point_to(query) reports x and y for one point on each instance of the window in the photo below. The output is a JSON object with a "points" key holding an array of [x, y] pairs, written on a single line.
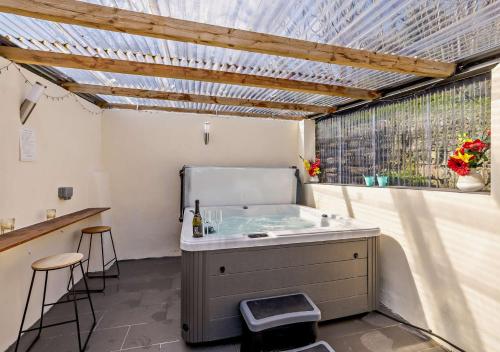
{"points": [[408, 139]]}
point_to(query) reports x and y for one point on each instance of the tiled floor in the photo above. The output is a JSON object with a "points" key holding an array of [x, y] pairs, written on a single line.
{"points": [[141, 312]]}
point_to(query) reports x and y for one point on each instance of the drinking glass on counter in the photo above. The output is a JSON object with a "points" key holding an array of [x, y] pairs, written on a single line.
{"points": [[51, 214], [7, 225]]}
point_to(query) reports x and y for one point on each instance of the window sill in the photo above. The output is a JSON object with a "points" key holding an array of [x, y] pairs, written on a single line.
{"points": [[447, 190]]}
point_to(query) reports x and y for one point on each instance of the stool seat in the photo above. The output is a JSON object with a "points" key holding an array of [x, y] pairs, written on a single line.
{"points": [[57, 261], [96, 229]]}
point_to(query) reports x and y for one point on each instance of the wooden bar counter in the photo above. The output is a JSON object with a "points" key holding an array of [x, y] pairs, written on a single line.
{"points": [[26, 234]]}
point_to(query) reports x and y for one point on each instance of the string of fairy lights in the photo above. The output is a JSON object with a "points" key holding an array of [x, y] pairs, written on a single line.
{"points": [[70, 95], [54, 98]]}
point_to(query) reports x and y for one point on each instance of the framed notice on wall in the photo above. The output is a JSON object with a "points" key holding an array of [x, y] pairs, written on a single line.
{"points": [[27, 144]]}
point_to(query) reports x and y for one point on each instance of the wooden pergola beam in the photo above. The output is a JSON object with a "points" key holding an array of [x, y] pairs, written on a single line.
{"points": [[114, 19], [45, 58], [201, 111], [194, 98]]}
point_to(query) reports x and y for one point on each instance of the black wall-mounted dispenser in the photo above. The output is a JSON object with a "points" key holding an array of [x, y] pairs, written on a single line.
{"points": [[65, 192]]}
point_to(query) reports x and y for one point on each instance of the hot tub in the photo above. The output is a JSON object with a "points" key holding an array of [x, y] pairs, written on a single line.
{"points": [[268, 250], [267, 225]]}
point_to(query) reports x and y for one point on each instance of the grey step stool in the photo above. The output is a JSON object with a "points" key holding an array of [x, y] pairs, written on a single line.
{"points": [[320, 346], [279, 323]]}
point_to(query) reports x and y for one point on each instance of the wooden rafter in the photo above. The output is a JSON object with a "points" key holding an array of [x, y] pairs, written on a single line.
{"points": [[195, 98], [45, 58], [114, 19], [201, 111]]}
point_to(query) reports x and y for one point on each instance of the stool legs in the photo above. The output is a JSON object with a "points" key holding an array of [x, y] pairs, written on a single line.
{"points": [[78, 251], [76, 309], [90, 250], [88, 294], [43, 304], [24, 314], [74, 293], [103, 276], [75, 299], [114, 252]]}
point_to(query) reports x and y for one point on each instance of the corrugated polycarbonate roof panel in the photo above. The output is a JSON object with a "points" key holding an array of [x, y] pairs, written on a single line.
{"points": [[445, 30], [197, 106]]}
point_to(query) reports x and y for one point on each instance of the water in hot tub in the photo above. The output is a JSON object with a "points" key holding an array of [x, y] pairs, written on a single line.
{"points": [[236, 224], [240, 224]]}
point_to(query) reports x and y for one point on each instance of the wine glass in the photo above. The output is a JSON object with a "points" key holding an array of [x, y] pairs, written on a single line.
{"points": [[218, 219], [208, 219]]}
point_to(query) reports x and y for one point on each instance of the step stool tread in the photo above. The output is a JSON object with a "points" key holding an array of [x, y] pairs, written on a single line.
{"points": [[264, 313], [320, 346]]}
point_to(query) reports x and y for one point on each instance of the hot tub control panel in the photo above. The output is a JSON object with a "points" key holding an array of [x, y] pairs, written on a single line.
{"points": [[257, 235]]}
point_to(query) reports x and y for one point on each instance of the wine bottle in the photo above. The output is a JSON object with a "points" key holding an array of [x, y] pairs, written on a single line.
{"points": [[197, 221]]}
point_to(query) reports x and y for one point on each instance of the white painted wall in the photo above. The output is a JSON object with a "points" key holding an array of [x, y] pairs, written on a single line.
{"points": [[439, 256], [143, 153], [69, 154]]}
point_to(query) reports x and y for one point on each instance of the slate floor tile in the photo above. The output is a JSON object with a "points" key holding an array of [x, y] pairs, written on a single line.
{"points": [[101, 340], [116, 300], [180, 346], [153, 333], [389, 339], [349, 326], [138, 315], [153, 348], [40, 346]]}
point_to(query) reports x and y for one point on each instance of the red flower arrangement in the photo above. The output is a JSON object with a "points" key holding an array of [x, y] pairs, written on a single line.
{"points": [[312, 166], [470, 154]]}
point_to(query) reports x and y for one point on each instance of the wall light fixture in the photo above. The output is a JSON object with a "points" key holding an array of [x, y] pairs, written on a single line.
{"points": [[30, 101], [206, 134]]}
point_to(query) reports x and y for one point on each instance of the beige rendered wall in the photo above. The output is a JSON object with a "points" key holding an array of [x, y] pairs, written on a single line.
{"points": [[307, 147], [143, 153], [69, 154], [440, 262]]}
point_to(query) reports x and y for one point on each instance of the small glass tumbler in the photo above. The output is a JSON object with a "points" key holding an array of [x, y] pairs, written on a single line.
{"points": [[51, 214], [7, 225]]}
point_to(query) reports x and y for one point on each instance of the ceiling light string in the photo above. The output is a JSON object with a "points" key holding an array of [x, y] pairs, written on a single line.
{"points": [[6, 67], [79, 102], [48, 96]]}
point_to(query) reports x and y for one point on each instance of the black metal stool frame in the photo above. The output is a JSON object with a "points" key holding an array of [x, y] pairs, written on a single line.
{"points": [[74, 300], [104, 265]]}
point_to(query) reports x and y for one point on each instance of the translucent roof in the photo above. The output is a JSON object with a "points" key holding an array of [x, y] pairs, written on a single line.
{"points": [[444, 30]]}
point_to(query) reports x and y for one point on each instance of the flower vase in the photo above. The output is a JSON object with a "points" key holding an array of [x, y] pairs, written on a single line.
{"points": [[313, 179], [472, 182]]}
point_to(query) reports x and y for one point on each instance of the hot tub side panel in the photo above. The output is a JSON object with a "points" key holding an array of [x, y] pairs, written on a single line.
{"points": [[339, 276], [193, 284]]}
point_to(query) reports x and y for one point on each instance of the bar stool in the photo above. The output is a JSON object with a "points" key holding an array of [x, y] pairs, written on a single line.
{"points": [[56, 262], [100, 230]]}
